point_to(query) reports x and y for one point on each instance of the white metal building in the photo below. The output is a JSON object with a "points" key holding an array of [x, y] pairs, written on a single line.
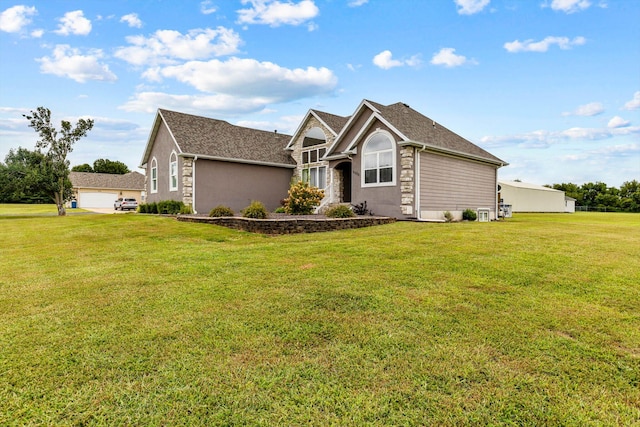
{"points": [[524, 197]]}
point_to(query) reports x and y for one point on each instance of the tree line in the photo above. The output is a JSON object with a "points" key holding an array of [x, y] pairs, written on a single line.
{"points": [[598, 196], [42, 175]]}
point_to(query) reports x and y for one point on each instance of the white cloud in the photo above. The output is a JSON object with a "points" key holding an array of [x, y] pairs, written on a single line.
{"points": [[250, 78], [469, 7], [544, 139], [149, 102], [15, 18], [618, 122], [69, 62], [36, 34], [543, 45], [276, 13], [74, 23], [570, 6], [447, 57], [622, 150], [206, 8], [357, 3], [385, 60], [634, 104], [167, 46], [588, 110], [132, 20]]}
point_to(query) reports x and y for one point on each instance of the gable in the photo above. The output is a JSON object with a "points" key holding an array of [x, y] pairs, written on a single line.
{"points": [[411, 127], [219, 140]]}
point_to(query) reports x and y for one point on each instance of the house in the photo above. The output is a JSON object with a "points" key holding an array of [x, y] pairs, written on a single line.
{"points": [[525, 197], [402, 163], [206, 162], [100, 190]]}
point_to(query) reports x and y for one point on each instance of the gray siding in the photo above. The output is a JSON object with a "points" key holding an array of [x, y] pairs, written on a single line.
{"points": [[449, 183], [161, 151], [236, 185]]}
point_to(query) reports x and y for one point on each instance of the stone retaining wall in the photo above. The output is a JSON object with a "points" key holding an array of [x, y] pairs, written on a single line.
{"points": [[289, 225]]}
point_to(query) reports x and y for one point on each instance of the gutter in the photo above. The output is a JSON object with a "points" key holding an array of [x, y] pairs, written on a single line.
{"points": [[193, 189]]}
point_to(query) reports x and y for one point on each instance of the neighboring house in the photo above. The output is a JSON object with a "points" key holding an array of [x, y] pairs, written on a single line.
{"points": [[524, 197], [100, 190], [205, 162], [569, 204], [402, 163]]}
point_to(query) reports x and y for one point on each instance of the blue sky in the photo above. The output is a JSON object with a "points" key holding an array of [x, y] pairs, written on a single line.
{"points": [[550, 86]]}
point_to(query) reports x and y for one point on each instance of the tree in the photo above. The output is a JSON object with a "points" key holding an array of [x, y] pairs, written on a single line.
{"points": [[110, 166], [23, 177], [85, 167], [56, 150]]}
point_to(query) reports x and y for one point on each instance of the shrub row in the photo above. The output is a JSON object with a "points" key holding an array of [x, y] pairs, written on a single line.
{"points": [[168, 207]]}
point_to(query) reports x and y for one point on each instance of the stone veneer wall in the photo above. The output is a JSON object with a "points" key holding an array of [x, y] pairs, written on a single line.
{"points": [[407, 185], [289, 225], [297, 155], [187, 181]]}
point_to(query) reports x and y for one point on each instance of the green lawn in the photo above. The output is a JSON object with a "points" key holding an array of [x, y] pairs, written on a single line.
{"points": [[143, 320], [31, 210]]}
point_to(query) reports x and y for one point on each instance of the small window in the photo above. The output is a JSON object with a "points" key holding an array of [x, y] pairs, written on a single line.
{"points": [[154, 176], [378, 156], [173, 172]]}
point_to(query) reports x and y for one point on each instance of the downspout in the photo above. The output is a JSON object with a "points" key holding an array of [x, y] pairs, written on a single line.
{"points": [[424, 147], [193, 189]]}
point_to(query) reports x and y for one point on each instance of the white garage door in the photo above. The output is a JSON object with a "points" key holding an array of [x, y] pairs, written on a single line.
{"points": [[97, 200]]}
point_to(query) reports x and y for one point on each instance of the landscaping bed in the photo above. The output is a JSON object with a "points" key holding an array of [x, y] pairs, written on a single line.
{"points": [[289, 224]]}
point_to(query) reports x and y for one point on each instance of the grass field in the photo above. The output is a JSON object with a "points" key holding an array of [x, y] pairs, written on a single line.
{"points": [[143, 320]]}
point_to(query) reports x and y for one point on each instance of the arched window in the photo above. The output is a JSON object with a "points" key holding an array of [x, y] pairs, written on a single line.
{"points": [[378, 160], [173, 172], [154, 175]]}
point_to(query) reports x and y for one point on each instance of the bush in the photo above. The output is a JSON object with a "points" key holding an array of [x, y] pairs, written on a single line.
{"points": [[340, 211], [186, 210], [361, 209], [469, 215], [255, 210], [142, 208], [303, 199], [169, 207], [152, 208], [448, 217], [279, 209], [221, 211]]}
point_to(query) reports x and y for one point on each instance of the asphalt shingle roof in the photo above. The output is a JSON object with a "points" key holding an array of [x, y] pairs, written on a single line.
{"points": [[336, 123], [420, 128], [216, 138], [128, 181]]}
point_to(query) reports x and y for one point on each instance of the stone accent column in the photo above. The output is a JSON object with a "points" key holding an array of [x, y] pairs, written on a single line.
{"points": [[187, 181], [407, 183]]}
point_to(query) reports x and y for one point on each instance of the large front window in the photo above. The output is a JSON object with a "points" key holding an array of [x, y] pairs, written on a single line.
{"points": [[378, 160], [316, 176]]}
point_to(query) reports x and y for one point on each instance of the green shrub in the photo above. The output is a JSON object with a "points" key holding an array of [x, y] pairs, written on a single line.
{"points": [[340, 211], [152, 208], [469, 215], [279, 209], [170, 207], [142, 208], [221, 210], [255, 210], [186, 210], [303, 199]]}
